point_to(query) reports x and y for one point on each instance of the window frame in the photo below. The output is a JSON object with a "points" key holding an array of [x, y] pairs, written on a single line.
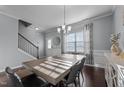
{"points": [[75, 44]]}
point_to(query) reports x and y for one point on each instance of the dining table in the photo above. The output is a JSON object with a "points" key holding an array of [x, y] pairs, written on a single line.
{"points": [[53, 68]]}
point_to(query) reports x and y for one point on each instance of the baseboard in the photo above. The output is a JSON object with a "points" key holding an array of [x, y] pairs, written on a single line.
{"points": [[2, 70], [26, 54], [94, 65], [17, 67]]}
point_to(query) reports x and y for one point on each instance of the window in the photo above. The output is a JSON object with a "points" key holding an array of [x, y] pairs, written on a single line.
{"points": [[49, 44], [70, 42], [74, 42], [79, 42]]}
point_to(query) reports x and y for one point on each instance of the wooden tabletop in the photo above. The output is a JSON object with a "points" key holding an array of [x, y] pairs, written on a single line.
{"points": [[53, 69]]}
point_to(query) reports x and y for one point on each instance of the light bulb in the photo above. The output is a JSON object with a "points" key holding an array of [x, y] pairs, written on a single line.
{"points": [[58, 30], [69, 28], [63, 27], [37, 28]]}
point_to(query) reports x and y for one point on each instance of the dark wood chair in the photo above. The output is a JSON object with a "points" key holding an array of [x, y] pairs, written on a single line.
{"points": [[71, 77], [29, 81], [81, 65], [75, 73]]}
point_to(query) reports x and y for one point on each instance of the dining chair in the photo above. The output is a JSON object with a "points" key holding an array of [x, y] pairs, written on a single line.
{"points": [[71, 77], [15, 79], [75, 73], [29, 81], [80, 68]]}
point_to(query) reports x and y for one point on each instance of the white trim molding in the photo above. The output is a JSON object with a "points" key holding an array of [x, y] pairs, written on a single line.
{"points": [[9, 15], [2, 70], [99, 58], [26, 53]]}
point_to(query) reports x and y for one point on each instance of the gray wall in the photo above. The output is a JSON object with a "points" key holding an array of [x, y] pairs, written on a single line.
{"points": [[8, 41], [102, 29], [9, 54], [101, 38], [34, 36], [50, 34], [118, 26]]}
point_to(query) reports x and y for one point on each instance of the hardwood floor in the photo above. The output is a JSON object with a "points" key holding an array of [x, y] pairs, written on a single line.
{"points": [[93, 77]]}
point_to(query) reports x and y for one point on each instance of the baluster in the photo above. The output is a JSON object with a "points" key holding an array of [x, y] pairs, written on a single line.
{"points": [[27, 46]]}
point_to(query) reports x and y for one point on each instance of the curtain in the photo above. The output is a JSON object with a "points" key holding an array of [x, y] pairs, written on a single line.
{"points": [[88, 42]]}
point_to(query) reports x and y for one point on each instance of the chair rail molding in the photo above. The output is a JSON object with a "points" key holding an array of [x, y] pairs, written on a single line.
{"points": [[99, 58]]}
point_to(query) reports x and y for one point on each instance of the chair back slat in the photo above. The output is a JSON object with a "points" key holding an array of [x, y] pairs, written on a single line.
{"points": [[74, 70], [72, 74]]}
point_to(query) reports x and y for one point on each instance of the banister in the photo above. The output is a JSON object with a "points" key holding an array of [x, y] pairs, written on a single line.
{"points": [[27, 40], [28, 50]]}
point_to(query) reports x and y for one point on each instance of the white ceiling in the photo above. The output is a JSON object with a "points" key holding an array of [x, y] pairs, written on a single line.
{"points": [[49, 16]]}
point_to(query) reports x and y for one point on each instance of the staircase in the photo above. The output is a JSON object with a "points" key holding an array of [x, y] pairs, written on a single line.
{"points": [[27, 46]]}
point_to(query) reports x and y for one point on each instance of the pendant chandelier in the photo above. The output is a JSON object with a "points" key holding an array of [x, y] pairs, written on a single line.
{"points": [[64, 28]]}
